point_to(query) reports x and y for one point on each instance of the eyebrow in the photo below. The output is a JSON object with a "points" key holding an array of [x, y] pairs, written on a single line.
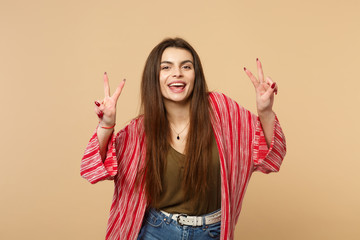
{"points": [[183, 62]]}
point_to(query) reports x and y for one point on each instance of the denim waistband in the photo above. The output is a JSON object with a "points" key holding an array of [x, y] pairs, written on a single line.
{"points": [[184, 219]]}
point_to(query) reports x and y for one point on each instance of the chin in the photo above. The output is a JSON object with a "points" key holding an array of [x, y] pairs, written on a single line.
{"points": [[178, 99]]}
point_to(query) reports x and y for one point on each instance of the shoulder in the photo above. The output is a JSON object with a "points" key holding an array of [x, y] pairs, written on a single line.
{"points": [[226, 109], [214, 96], [220, 98], [221, 102]]}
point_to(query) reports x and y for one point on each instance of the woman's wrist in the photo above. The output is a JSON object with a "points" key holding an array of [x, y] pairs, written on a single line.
{"points": [[107, 127]]}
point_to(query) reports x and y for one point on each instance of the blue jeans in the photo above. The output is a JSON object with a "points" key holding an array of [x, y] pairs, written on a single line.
{"points": [[158, 226]]}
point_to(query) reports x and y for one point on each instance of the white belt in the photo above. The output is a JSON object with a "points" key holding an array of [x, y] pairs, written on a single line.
{"points": [[196, 221]]}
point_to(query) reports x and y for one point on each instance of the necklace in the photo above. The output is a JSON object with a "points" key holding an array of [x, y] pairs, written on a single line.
{"points": [[178, 134]]}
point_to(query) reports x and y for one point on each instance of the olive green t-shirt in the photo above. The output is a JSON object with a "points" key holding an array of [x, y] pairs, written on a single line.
{"points": [[172, 197]]}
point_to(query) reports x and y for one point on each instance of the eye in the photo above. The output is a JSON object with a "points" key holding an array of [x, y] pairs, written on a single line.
{"points": [[187, 66], [164, 67]]}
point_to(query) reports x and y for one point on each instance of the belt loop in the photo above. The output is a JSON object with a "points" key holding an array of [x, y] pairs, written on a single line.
{"points": [[197, 219], [203, 223], [170, 218]]}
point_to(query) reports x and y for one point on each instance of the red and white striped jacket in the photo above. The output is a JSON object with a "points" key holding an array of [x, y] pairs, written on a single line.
{"points": [[242, 149]]}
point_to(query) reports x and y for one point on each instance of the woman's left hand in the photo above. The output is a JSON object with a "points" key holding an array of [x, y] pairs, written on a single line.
{"points": [[264, 88]]}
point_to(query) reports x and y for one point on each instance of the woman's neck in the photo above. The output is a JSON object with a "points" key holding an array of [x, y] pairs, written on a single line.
{"points": [[178, 114]]}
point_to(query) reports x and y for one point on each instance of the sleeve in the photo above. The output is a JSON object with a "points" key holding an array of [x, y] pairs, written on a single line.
{"points": [[266, 159], [92, 167], [243, 129]]}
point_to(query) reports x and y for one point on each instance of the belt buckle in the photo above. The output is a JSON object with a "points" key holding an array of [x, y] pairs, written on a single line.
{"points": [[178, 219]]}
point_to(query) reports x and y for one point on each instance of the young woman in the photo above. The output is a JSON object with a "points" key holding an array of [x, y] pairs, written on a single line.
{"points": [[181, 168]]}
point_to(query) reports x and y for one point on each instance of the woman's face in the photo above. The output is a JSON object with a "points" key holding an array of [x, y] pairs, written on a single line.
{"points": [[177, 75]]}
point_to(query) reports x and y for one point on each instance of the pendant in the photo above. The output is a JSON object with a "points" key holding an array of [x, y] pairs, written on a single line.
{"points": [[178, 138]]}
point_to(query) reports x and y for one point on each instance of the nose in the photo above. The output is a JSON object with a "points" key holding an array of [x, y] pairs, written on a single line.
{"points": [[177, 72]]}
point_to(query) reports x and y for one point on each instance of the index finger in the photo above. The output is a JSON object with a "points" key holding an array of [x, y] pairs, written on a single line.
{"points": [[106, 85]]}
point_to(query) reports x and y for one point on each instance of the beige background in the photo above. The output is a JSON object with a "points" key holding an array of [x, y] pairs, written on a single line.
{"points": [[53, 55]]}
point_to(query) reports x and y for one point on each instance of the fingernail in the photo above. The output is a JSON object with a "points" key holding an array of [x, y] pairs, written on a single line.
{"points": [[124, 80], [273, 85], [244, 68], [101, 114], [257, 59], [105, 73], [97, 103]]}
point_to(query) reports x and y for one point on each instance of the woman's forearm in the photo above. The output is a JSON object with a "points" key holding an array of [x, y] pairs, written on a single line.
{"points": [[267, 120], [103, 137]]}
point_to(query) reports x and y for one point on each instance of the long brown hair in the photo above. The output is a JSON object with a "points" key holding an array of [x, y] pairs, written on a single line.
{"points": [[157, 130]]}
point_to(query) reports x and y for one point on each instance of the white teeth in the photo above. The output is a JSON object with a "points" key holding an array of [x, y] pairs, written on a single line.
{"points": [[177, 85]]}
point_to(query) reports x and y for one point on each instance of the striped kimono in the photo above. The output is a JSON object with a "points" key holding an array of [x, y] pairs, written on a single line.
{"points": [[242, 150]]}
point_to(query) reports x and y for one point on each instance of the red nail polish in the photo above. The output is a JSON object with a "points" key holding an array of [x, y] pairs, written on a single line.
{"points": [[257, 59], [101, 114], [273, 85], [97, 103], [105, 73], [244, 68]]}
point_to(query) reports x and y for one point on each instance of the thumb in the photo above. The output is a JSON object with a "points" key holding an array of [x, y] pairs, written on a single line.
{"points": [[270, 90]]}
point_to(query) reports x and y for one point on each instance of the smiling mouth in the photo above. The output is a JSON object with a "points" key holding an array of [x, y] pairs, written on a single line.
{"points": [[177, 86]]}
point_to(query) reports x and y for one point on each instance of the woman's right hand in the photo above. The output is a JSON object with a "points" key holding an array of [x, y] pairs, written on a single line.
{"points": [[106, 109]]}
